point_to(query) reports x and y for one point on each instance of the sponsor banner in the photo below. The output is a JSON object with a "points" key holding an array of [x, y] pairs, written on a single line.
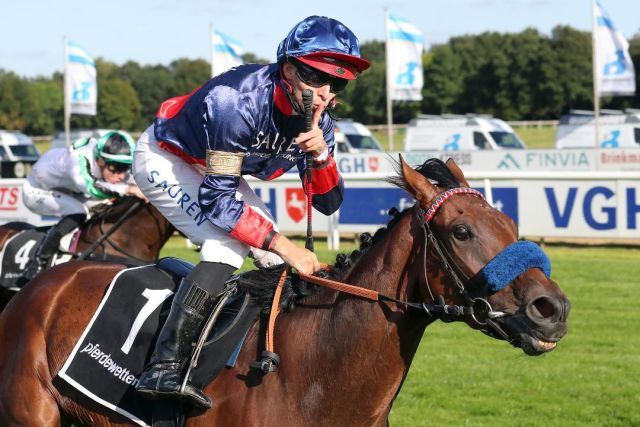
{"points": [[541, 207], [590, 209], [13, 209], [619, 160], [566, 207], [574, 160]]}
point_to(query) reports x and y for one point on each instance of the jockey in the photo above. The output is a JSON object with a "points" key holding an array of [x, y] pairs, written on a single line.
{"points": [[65, 180], [190, 164]]}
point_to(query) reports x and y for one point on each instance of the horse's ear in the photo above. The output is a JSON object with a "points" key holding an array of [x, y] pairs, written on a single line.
{"points": [[419, 186], [457, 172]]}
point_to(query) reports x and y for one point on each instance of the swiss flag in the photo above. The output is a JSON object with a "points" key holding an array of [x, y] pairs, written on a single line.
{"points": [[374, 163], [296, 203]]}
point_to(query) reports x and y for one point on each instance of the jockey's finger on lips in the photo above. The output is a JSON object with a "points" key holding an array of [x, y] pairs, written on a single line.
{"points": [[315, 119]]}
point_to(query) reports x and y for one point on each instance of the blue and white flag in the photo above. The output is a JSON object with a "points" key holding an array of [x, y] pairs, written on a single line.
{"points": [[404, 59], [614, 68], [226, 53], [81, 89]]}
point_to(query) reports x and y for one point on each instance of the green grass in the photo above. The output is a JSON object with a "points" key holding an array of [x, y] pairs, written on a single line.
{"points": [[537, 136], [460, 377], [383, 138]]}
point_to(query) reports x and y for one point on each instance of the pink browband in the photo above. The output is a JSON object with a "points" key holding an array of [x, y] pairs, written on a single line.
{"points": [[443, 197]]}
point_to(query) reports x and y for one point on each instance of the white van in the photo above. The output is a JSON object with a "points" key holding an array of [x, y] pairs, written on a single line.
{"points": [[16, 146], [455, 133], [617, 129], [354, 137]]}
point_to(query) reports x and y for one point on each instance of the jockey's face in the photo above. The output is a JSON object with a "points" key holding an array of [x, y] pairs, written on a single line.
{"points": [[322, 95], [111, 173]]}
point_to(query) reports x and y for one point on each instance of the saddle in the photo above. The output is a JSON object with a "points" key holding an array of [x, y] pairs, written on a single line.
{"points": [[21, 248], [119, 340]]}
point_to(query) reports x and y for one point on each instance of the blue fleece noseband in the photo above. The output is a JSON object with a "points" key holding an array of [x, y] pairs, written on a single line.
{"points": [[514, 260]]}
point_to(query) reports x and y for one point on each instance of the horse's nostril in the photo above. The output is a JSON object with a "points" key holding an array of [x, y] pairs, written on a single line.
{"points": [[542, 308]]}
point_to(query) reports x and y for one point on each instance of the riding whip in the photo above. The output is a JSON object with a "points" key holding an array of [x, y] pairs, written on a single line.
{"points": [[269, 360], [307, 102]]}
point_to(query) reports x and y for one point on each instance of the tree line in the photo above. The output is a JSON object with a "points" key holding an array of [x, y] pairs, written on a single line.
{"points": [[514, 76]]}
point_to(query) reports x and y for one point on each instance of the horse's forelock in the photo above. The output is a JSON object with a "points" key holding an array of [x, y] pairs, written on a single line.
{"points": [[433, 169]]}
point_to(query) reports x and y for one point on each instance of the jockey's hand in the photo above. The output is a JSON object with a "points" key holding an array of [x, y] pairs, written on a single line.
{"points": [[313, 141], [133, 190], [301, 259]]}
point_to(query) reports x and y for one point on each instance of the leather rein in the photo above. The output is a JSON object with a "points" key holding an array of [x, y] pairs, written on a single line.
{"points": [[479, 309]]}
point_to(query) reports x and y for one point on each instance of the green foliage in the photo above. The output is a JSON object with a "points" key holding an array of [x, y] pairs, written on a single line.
{"points": [[118, 105], [515, 76]]}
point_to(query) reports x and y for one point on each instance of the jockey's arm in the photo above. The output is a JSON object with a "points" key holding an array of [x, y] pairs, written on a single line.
{"points": [[133, 190], [90, 185], [327, 185]]}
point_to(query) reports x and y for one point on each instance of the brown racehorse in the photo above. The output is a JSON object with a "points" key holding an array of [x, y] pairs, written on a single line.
{"points": [[343, 358], [137, 239]]}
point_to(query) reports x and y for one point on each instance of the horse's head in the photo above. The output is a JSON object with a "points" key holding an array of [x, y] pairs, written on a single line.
{"points": [[476, 269]]}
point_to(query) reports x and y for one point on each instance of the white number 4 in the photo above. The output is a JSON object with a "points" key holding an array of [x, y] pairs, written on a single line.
{"points": [[22, 255]]}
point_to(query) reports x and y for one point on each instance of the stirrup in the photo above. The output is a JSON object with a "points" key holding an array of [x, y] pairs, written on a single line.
{"points": [[223, 297], [268, 362]]}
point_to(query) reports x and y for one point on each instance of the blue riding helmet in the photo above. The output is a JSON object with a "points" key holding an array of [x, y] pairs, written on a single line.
{"points": [[115, 147], [325, 44]]}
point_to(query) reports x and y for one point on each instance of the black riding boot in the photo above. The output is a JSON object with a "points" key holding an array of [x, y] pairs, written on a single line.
{"points": [[191, 306], [50, 244]]}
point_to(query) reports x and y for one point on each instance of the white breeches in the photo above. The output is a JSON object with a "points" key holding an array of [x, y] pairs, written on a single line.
{"points": [[51, 202], [171, 185]]}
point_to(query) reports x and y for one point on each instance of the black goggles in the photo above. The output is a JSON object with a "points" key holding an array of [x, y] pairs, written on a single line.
{"points": [[118, 167], [315, 78]]}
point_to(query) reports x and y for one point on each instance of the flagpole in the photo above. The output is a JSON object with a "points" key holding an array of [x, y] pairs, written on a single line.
{"points": [[596, 88], [67, 101], [389, 101], [211, 45]]}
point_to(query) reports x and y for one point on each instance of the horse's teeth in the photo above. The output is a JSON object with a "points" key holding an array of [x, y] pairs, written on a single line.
{"points": [[546, 345]]}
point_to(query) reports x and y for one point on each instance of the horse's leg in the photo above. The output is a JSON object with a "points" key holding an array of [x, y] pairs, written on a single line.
{"points": [[26, 394]]}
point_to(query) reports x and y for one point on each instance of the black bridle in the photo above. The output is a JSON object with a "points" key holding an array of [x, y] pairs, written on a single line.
{"points": [[478, 308], [104, 239]]}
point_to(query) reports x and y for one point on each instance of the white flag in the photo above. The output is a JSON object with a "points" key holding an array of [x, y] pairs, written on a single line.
{"points": [[227, 53], [404, 59], [80, 77], [614, 68]]}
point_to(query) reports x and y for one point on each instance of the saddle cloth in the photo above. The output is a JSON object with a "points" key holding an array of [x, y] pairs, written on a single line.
{"points": [[19, 249], [119, 340]]}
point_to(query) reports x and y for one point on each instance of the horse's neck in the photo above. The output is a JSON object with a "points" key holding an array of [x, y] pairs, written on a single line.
{"points": [[143, 233], [369, 345]]}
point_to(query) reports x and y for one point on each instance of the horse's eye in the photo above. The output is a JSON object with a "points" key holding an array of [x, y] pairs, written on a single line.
{"points": [[461, 232]]}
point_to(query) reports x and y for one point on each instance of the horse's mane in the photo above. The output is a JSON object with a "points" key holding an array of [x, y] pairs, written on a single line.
{"points": [[261, 283]]}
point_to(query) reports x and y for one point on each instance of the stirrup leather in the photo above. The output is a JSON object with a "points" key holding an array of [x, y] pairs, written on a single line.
{"points": [[222, 300]]}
